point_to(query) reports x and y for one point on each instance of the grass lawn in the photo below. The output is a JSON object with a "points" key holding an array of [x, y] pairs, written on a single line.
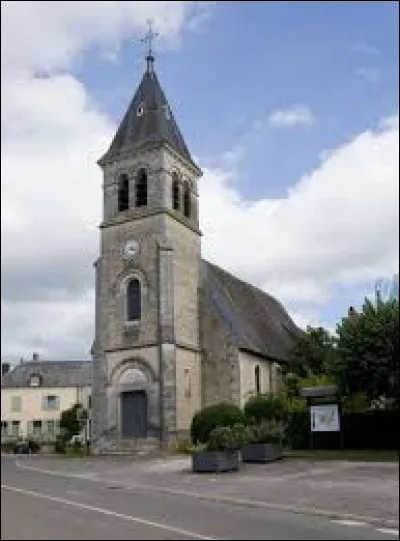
{"points": [[363, 455]]}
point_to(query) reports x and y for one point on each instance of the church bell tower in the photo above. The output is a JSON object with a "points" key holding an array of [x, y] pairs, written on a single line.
{"points": [[146, 353]]}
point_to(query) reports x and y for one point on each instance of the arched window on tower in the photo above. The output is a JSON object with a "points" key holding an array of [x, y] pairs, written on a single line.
{"points": [[257, 382], [176, 192], [133, 300], [141, 188], [123, 193], [186, 201]]}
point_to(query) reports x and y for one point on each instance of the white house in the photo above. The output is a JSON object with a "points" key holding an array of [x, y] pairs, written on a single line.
{"points": [[35, 393]]}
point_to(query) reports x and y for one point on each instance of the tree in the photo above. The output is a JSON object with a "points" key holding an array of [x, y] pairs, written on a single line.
{"points": [[314, 353], [368, 351], [72, 421]]}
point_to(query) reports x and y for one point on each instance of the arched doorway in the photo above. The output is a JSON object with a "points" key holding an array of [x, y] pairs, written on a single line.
{"points": [[134, 414]]}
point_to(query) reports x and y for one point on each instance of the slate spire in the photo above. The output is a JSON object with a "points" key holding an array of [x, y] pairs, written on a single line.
{"points": [[148, 120]]}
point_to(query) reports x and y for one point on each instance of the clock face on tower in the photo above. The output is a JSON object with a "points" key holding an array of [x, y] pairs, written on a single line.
{"points": [[131, 248]]}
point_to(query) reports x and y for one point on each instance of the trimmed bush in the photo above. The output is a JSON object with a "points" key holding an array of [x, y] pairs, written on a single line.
{"points": [[222, 438], [266, 408], [265, 432], [210, 417]]}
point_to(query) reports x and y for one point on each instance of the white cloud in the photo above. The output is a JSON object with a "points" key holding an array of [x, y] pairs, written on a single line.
{"points": [[48, 35], [369, 74], [304, 319], [292, 116], [338, 224], [366, 48], [60, 327], [52, 135]]}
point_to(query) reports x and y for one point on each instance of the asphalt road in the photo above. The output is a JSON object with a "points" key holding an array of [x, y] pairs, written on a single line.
{"points": [[35, 505]]}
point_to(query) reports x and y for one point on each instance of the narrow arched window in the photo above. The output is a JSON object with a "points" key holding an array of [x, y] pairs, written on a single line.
{"points": [[133, 300], [186, 201], [176, 192], [123, 193], [257, 379], [141, 188]]}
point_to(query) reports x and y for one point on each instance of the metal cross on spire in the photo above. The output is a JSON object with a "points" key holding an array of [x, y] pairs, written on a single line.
{"points": [[148, 40]]}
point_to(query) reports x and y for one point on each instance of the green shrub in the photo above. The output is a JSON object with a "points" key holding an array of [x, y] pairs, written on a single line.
{"points": [[222, 438], [60, 445], [210, 417], [76, 444], [296, 403], [298, 430], [8, 446], [358, 402], [240, 433], [266, 432], [266, 408], [34, 446], [72, 421], [75, 449]]}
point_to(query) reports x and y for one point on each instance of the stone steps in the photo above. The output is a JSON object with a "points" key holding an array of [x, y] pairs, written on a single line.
{"points": [[128, 446]]}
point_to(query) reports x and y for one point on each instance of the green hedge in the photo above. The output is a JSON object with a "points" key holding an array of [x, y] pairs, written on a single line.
{"points": [[214, 416], [8, 446], [266, 408], [298, 430], [376, 429]]}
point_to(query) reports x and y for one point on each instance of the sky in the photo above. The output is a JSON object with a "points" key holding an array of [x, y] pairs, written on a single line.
{"points": [[290, 108]]}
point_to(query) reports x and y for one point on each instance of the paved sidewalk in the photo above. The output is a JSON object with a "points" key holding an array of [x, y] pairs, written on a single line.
{"points": [[362, 489]]}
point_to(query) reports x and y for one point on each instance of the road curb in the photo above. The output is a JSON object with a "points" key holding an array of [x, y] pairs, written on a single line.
{"points": [[308, 511]]}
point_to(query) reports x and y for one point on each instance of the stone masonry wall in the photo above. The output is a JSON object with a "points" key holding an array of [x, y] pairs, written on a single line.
{"points": [[116, 270], [248, 363], [188, 385], [186, 246], [220, 360]]}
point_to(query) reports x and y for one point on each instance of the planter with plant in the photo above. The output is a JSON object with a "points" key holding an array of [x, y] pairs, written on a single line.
{"points": [[221, 452], [208, 418], [264, 443]]}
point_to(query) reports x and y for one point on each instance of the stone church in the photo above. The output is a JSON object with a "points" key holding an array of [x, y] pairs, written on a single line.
{"points": [[173, 332]]}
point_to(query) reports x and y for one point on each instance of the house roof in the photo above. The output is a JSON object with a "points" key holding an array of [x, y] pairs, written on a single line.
{"points": [[51, 373], [149, 119], [258, 322]]}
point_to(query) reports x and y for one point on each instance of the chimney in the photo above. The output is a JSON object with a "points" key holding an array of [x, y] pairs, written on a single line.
{"points": [[35, 357], [5, 368], [351, 312]]}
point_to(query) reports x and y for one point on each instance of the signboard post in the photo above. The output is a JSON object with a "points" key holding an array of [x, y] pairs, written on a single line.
{"points": [[324, 416]]}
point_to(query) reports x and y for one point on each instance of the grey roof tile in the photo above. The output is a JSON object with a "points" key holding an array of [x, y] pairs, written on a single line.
{"points": [[257, 321], [156, 124], [52, 373]]}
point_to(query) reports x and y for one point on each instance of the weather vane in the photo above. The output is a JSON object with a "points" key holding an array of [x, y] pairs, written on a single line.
{"points": [[148, 40]]}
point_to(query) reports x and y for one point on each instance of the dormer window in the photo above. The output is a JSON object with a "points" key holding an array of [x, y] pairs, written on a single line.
{"points": [[34, 381], [140, 109], [167, 111]]}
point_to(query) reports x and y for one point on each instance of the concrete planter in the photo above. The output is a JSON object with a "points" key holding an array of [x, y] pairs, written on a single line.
{"points": [[215, 461], [261, 452]]}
